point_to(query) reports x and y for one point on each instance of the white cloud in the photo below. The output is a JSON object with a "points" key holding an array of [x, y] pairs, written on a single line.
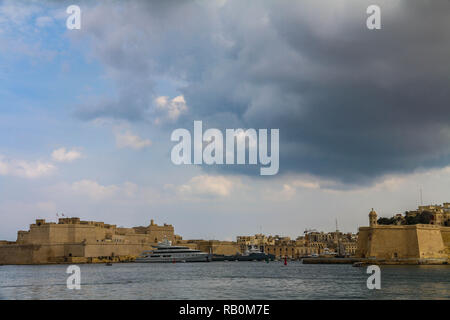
{"points": [[16, 20], [25, 169], [172, 108], [129, 140], [204, 185], [119, 193], [285, 193], [94, 190], [61, 155], [306, 184]]}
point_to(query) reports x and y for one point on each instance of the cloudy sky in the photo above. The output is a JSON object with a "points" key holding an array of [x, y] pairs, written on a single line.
{"points": [[86, 115]]}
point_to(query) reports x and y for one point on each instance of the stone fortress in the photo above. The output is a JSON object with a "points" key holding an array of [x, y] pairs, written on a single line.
{"points": [[403, 243], [74, 241]]}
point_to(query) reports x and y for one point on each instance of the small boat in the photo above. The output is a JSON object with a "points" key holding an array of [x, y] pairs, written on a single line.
{"points": [[109, 264]]}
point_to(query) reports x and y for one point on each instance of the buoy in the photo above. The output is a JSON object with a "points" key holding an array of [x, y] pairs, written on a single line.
{"points": [[285, 261]]}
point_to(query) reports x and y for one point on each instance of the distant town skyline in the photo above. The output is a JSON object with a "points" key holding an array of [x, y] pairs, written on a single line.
{"points": [[86, 115]]}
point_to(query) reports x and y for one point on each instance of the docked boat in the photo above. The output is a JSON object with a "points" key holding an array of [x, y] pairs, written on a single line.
{"points": [[253, 253], [165, 252]]}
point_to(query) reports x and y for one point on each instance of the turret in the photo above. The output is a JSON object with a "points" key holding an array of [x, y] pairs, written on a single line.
{"points": [[372, 218]]}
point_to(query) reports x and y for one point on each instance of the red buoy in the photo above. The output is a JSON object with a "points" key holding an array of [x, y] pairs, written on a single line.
{"points": [[285, 261]]}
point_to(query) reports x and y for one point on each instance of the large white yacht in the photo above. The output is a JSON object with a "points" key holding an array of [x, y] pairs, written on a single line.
{"points": [[165, 252]]}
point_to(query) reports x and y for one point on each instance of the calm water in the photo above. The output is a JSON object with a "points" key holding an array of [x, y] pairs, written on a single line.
{"points": [[224, 280]]}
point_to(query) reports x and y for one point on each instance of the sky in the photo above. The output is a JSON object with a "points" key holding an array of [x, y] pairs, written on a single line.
{"points": [[86, 115]]}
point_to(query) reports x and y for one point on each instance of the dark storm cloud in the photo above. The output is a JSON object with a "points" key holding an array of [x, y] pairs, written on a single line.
{"points": [[351, 103]]}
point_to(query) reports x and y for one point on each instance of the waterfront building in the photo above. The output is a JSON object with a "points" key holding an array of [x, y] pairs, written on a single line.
{"points": [[440, 214], [312, 243]]}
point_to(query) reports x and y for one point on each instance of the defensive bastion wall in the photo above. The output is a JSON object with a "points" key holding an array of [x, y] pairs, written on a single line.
{"points": [[392, 242], [70, 238]]}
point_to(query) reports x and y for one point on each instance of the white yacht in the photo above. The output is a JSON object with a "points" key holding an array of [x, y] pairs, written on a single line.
{"points": [[165, 252]]}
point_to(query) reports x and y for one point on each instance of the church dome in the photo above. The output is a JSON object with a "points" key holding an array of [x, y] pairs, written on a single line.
{"points": [[372, 213]]}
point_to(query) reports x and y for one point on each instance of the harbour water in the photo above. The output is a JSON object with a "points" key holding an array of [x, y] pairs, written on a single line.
{"points": [[224, 280]]}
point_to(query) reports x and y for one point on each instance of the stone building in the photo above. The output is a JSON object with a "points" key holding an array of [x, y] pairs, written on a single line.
{"points": [[440, 213], [259, 240], [336, 242], [291, 249], [73, 240], [394, 242], [312, 243]]}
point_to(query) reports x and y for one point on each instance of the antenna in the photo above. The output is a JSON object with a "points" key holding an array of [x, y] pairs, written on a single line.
{"points": [[336, 225]]}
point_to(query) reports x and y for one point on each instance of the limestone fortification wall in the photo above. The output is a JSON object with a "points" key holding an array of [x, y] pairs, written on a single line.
{"points": [[30, 254], [16, 254], [392, 242], [107, 249], [71, 238], [219, 247], [445, 233], [431, 244]]}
